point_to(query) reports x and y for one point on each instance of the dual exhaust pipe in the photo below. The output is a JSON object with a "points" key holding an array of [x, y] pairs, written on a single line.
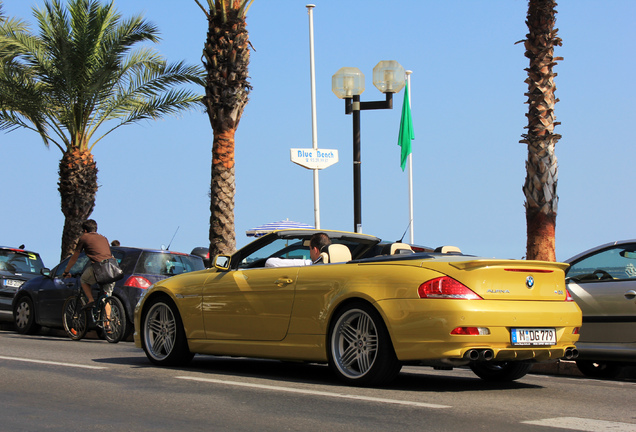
{"points": [[571, 353], [479, 354]]}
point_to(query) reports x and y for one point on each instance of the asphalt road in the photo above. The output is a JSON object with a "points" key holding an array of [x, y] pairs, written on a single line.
{"points": [[51, 383]]}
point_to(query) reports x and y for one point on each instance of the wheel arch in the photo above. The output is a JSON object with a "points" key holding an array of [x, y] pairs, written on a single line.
{"points": [[346, 302], [19, 297], [149, 300]]}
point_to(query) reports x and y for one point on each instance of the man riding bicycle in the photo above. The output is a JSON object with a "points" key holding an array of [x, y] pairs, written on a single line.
{"points": [[97, 249]]}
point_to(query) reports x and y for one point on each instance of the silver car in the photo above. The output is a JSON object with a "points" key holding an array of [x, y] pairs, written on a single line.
{"points": [[602, 281]]}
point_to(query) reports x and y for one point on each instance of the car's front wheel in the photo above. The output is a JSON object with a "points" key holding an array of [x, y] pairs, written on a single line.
{"points": [[500, 371], [24, 316], [360, 348], [163, 336], [599, 369]]}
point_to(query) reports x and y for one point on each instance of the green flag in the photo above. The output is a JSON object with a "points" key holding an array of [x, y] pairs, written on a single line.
{"points": [[406, 128]]}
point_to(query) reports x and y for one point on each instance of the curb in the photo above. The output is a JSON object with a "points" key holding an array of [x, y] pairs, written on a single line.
{"points": [[559, 367]]}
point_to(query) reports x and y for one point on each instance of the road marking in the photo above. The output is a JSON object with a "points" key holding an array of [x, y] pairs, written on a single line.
{"points": [[582, 424], [316, 393], [51, 363]]}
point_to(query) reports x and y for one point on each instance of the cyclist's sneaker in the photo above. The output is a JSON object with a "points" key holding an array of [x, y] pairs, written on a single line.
{"points": [[88, 305]]}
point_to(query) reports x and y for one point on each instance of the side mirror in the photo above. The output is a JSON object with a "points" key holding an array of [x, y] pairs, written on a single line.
{"points": [[45, 272], [222, 262]]}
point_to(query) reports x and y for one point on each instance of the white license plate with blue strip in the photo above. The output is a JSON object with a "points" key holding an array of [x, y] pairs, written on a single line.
{"points": [[533, 336]]}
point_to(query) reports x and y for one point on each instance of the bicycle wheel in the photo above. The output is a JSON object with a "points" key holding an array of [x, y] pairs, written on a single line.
{"points": [[114, 328], [74, 318]]}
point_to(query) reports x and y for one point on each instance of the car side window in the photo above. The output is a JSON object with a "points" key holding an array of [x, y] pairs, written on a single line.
{"points": [[616, 263], [281, 248], [77, 269]]}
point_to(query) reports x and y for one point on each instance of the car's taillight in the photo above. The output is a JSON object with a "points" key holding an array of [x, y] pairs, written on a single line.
{"points": [[568, 296], [138, 282], [446, 288], [471, 331]]}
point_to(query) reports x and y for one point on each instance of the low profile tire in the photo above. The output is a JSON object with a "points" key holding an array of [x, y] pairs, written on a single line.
{"points": [[360, 348], [24, 316], [117, 322], [163, 336], [500, 371], [74, 320], [604, 370]]}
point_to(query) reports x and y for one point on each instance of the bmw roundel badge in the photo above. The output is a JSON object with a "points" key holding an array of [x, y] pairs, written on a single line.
{"points": [[529, 281]]}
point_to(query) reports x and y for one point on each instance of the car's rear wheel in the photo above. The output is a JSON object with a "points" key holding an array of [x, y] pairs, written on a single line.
{"points": [[24, 316], [500, 371], [360, 348], [163, 336], [599, 369]]}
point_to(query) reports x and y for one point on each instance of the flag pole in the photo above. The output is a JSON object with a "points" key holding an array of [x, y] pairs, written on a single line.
{"points": [[410, 172], [314, 128]]}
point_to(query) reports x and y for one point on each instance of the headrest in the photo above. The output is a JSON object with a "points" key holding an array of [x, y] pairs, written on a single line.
{"points": [[448, 249], [336, 253]]}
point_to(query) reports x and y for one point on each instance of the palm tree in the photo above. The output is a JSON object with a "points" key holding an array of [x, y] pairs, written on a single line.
{"points": [[226, 57], [541, 167], [82, 74]]}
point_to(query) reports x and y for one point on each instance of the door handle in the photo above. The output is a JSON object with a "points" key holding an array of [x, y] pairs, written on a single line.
{"points": [[630, 295], [281, 282]]}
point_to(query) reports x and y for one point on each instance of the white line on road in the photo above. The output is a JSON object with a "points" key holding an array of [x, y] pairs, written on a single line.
{"points": [[582, 424], [51, 363], [316, 393]]}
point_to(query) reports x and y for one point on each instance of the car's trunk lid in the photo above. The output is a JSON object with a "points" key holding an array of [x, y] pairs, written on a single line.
{"points": [[511, 279]]}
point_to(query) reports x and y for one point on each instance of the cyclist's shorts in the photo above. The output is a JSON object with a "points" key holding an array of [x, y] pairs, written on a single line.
{"points": [[88, 277]]}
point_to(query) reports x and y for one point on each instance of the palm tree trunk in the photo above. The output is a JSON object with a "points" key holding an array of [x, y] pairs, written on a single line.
{"points": [[77, 187], [540, 188], [222, 190]]}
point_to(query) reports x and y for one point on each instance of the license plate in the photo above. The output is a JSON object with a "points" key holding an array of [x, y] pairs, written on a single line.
{"points": [[533, 336], [13, 283]]}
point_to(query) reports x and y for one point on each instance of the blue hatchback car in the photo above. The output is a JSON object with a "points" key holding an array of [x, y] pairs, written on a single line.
{"points": [[39, 301]]}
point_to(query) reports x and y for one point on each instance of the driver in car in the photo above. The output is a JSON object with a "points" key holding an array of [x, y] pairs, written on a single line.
{"points": [[317, 243]]}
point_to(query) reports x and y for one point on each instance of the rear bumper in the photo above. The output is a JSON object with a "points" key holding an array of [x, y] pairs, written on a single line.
{"points": [[421, 329]]}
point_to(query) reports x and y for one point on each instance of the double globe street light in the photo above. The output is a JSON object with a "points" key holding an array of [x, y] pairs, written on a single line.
{"points": [[348, 84]]}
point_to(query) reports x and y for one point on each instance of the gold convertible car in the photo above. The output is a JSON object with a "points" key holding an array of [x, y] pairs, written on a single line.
{"points": [[368, 309]]}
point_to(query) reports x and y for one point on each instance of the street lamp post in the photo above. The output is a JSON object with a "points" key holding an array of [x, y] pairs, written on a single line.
{"points": [[348, 84]]}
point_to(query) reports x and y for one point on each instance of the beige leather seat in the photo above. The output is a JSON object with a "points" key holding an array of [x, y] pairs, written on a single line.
{"points": [[448, 249], [336, 253], [400, 248]]}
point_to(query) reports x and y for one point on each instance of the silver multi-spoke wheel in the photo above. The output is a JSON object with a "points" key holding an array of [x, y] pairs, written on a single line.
{"points": [[354, 343], [360, 348], [163, 336], [160, 331]]}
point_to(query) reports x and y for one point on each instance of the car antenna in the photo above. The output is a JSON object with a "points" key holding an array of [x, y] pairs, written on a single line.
{"points": [[169, 244], [407, 228]]}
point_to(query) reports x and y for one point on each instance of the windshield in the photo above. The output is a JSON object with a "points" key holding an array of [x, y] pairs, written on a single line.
{"points": [[19, 261]]}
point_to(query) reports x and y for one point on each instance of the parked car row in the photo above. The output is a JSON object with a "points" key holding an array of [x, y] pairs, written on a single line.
{"points": [[39, 302], [17, 265], [602, 282]]}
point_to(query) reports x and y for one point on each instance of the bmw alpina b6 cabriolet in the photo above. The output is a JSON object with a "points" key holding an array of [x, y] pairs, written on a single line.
{"points": [[364, 315]]}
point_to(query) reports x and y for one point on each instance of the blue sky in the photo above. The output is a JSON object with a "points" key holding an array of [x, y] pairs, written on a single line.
{"points": [[468, 108]]}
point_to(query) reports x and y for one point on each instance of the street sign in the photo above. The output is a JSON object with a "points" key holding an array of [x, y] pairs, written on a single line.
{"points": [[314, 158]]}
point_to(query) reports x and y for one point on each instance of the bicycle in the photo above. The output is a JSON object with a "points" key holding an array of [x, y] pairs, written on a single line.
{"points": [[75, 319]]}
